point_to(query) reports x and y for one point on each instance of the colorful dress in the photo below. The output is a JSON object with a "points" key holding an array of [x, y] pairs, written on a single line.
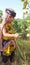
{"points": [[9, 29]]}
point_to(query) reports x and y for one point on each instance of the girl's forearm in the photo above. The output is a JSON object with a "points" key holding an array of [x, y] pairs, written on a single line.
{"points": [[9, 35]]}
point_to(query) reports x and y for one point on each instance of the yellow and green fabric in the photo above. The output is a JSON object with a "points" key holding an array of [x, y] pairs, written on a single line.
{"points": [[9, 29]]}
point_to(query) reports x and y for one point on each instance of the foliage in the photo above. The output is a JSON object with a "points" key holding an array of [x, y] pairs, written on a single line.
{"points": [[28, 23], [20, 27], [0, 21], [23, 46], [1, 12], [28, 17], [23, 50], [25, 3]]}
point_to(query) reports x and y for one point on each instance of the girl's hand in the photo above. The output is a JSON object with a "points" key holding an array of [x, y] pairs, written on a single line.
{"points": [[17, 35]]}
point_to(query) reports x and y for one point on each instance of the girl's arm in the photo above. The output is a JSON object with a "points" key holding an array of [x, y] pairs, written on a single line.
{"points": [[6, 34], [16, 35]]}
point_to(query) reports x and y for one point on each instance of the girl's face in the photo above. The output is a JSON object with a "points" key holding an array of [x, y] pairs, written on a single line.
{"points": [[10, 18]]}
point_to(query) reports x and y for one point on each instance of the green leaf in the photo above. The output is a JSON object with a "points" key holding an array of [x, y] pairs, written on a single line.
{"points": [[25, 4], [1, 12], [22, 0]]}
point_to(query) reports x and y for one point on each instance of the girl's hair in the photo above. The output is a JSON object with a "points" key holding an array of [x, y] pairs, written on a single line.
{"points": [[11, 12]]}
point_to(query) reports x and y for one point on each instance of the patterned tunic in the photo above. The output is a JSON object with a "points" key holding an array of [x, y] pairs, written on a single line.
{"points": [[9, 29]]}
